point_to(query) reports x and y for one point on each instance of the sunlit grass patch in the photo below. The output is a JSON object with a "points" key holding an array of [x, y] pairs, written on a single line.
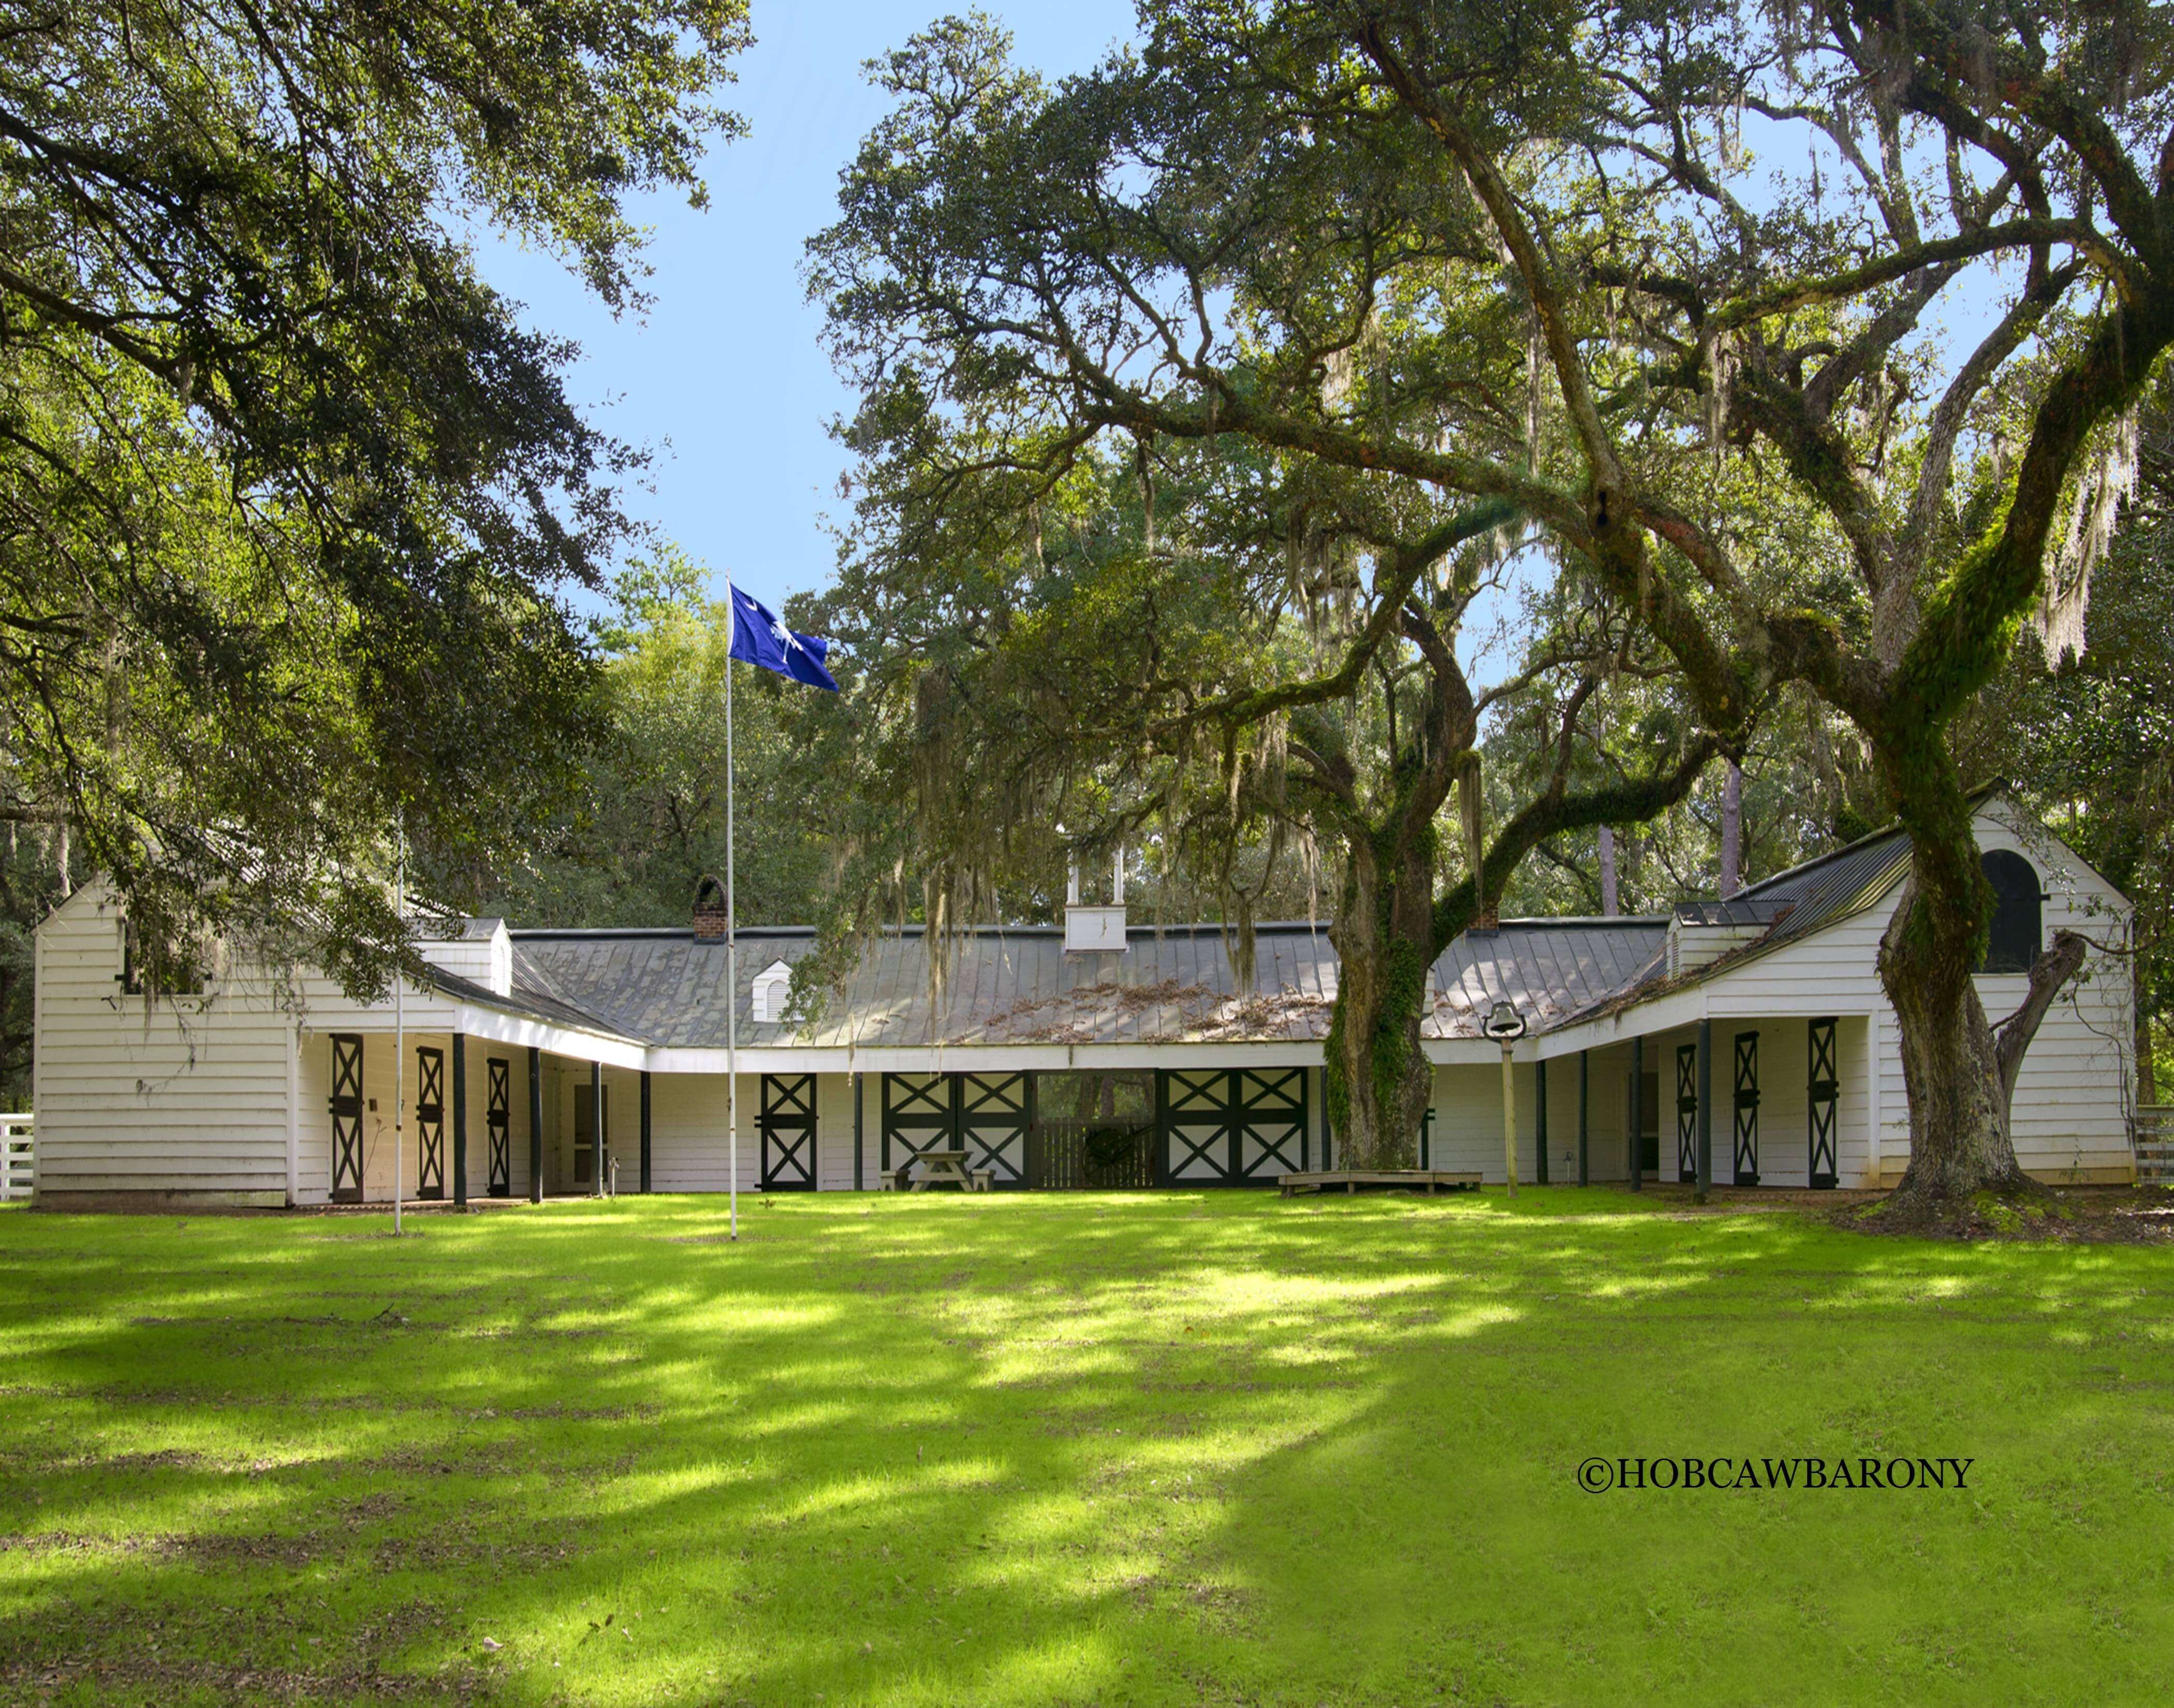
{"points": [[1173, 1449]]}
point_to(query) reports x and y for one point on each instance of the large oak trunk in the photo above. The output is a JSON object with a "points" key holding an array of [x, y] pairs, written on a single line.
{"points": [[1379, 1081], [1958, 1132]]}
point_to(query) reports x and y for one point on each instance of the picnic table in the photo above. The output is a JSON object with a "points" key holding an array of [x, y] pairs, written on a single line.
{"points": [[946, 1168]]}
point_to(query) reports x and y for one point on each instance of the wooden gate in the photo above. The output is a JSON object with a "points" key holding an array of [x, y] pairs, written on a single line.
{"points": [[787, 1126], [1746, 1146], [498, 1125], [1824, 1095], [430, 1122], [346, 1103], [1237, 1127]]}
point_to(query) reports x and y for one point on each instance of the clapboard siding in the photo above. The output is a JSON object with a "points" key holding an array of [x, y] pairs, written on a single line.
{"points": [[834, 1134], [690, 1133], [2069, 1117], [1468, 1118], [188, 1095]]}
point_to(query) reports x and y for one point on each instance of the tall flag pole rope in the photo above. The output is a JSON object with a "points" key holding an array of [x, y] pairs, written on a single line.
{"points": [[759, 638]]}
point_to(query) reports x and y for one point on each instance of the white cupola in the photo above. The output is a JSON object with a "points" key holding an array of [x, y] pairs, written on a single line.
{"points": [[1094, 929]]}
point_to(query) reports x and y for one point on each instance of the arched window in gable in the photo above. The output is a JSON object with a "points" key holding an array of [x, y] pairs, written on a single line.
{"points": [[2014, 943]]}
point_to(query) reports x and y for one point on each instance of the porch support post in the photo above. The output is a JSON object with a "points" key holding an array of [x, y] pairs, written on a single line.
{"points": [[597, 1129], [1705, 1108], [535, 1125], [1877, 1176], [857, 1131], [645, 1129], [1539, 1121], [1509, 1122], [1584, 1109], [1635, 1120], [460, 1121]]}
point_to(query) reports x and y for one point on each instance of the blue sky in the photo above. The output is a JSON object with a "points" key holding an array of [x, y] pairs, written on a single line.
{"points": [[725, 378]]}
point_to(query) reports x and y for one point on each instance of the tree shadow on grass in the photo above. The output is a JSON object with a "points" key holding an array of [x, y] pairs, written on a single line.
{"points": [[1180, 1448]]}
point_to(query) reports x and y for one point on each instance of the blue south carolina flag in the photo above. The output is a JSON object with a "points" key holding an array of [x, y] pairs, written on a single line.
{"points": [[760, 638]]}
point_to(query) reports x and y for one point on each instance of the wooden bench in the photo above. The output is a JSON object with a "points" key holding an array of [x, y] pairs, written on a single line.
{"points": [[1430, 1180]]}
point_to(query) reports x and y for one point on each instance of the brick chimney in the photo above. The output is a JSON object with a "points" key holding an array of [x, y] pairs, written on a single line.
{"points": [[710, 917]]}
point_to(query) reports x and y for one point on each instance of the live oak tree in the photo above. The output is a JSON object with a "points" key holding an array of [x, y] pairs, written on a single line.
{"points": [[2083, 725], [1721, 235], [1117, 561], [1780, 316], [290, 503]]}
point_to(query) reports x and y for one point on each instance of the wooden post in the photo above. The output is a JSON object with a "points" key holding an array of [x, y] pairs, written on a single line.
{"points": [[1509, 1122], [645, 1129], [1033, 1172], [1584, 1109], [460, 1121], [1635, 1121], [857, 1133], [1539, 1121], [1157, 1174], [535, 1125], [1705, 1108], [597, 1129]]}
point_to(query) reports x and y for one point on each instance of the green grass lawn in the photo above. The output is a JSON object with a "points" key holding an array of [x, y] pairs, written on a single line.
{"points": [[1219, 1448]]}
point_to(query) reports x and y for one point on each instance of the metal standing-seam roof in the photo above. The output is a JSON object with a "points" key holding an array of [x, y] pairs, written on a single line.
{"points": [[1019, 985], [1175, 984], [1549, 968]]}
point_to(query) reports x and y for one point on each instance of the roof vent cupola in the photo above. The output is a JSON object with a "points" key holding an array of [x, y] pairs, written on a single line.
{"points": [[1091, 929]]}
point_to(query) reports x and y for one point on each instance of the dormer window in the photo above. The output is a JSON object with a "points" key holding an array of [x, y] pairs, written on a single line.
{"points": [[773, 986], [2013, 944]]}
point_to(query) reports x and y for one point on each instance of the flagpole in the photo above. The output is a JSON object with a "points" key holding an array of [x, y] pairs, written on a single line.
{"points": [[732, 943], [399, 1026]]}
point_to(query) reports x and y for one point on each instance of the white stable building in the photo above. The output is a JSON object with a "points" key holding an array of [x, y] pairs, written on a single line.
{"points": [[1098, 1053]]}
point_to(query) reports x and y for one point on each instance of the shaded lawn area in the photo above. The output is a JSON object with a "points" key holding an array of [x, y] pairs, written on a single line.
{"points": [[1212, 1448]]}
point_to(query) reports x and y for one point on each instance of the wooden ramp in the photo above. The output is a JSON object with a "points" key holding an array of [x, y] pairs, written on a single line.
{"points": [[1426, 1180]]}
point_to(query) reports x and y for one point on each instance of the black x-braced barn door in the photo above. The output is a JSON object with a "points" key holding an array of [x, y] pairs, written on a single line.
{"points": [[1687, 1112], [788, 1125], [498, 1124], [347, 1118], [1240, 1128], [996, 1113], [430, 1122], [1824, 1095], [917, 1116], [1747, 1109], [988, 1116]]}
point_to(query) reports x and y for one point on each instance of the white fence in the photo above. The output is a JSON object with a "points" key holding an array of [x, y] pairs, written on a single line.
{"points": [[16, 1166], [2153, 1125]]}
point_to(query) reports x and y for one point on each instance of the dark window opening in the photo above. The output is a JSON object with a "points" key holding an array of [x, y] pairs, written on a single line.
{"points": [[2013, 944], [186, 979]]}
